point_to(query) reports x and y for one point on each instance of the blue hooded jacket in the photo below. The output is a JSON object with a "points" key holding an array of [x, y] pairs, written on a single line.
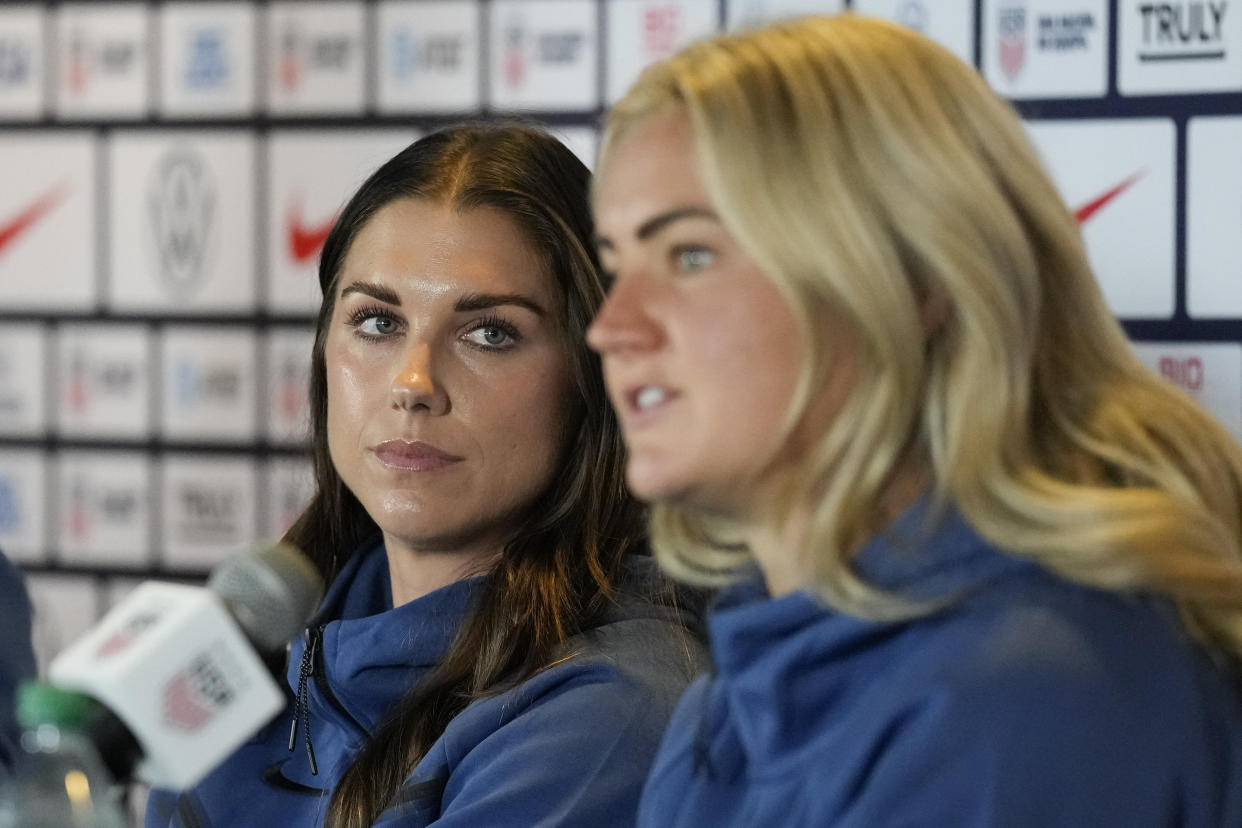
{"points": [[17, 661], [569, 746], [1028, 702]]}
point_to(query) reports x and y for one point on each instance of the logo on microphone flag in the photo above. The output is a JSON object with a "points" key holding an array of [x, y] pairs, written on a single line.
{"points": [[194, 696], [128, 634]]}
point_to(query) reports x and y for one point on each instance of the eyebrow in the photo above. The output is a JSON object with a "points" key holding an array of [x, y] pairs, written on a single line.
{"points": [[483, 301], [469, 302], [657, 223], [375, 291]]}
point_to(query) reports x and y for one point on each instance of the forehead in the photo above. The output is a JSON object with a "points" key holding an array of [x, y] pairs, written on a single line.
{"points": [[421, 244], [650, 167]]}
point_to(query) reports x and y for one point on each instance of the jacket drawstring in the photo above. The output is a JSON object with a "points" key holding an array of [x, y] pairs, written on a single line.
{"points": [[301, 703]]}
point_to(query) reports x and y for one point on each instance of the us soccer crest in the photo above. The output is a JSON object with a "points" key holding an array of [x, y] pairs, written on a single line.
{"points": [[1011, 38]]}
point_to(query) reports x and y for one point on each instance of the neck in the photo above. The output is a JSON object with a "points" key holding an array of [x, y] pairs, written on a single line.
{"points": [[782, 550], [777, 551], [416, 572]]}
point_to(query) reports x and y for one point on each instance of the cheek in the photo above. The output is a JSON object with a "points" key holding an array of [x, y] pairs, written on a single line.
{"points": [[747, 357], [750, 352], [350, 392], [541, 410]]}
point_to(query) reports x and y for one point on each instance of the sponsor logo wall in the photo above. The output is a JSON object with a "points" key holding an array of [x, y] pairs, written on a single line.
{"points": [[171, 170]]}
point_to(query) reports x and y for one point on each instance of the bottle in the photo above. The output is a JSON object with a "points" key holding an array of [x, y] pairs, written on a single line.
{"points": [[58, 780]]}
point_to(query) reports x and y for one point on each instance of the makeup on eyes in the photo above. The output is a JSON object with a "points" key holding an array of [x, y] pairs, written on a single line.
{"points": [[504, 326]]}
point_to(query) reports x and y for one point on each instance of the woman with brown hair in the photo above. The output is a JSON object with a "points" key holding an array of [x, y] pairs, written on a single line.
{"points": [[494, 648]]}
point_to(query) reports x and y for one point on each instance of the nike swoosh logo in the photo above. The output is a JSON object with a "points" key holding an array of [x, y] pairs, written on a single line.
{"points": [[15, 227], [306, 241], [1086, 211]]}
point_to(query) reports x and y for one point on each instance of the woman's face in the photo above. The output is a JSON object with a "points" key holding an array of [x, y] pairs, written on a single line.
{"points": [[449, 385], [701, 352]]}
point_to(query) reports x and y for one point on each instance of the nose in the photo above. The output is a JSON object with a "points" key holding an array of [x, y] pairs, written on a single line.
{"points": [[415, 385], [627, 320]]}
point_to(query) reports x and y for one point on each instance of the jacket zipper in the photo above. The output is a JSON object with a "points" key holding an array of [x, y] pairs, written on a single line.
{"points": [[312, 666]]}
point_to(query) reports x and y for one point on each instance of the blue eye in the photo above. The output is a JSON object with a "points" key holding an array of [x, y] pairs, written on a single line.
{"points": [[490, 336], [493, 335], [374, 322], [693, 259], [378, 326]]}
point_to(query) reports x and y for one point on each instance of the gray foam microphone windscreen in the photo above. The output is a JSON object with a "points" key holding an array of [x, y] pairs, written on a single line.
{"points": [[271, 593]]}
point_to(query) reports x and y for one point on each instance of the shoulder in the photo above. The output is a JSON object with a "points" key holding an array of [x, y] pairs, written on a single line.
{"points": [[1037, 633], [649, 646], [619, 682], [629, 668], [570, 745], [1045, 693]]}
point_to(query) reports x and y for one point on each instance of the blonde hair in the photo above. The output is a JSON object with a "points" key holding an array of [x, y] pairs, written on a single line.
{"points": [[871, 174]]}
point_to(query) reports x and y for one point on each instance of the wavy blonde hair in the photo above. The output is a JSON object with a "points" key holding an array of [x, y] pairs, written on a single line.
{"points": [[872, 176]]}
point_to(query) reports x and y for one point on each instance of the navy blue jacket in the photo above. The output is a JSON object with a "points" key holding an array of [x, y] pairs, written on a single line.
{"points": [[569, 746], [1029, 702], [17, 662]]}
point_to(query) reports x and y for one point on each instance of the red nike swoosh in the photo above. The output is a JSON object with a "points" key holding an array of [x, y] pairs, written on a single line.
{"points": [[304, 241], [1093, 206], [19, 224]]}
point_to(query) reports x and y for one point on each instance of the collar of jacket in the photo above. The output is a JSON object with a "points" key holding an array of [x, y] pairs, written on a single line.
{"points": [[785, 667], [371, 653]]}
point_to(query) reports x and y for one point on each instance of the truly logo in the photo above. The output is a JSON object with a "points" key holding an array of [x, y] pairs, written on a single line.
{"points": [[1192, 31], [207, 513]]}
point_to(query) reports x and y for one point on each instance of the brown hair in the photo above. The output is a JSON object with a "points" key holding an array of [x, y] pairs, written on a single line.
{"points": [[555, 576]]}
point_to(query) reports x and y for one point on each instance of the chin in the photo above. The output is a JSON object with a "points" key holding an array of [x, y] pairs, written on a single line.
{"points": [[656, 485], [404, 519]]}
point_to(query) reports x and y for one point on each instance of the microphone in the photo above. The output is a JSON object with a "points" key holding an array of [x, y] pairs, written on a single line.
{"points": [[179, 672]]}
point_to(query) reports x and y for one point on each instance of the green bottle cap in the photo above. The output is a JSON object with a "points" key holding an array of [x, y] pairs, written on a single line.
{"points": [[39, 703]]}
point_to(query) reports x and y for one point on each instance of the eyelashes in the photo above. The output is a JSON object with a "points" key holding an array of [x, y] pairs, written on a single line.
{"points": [[359, 317], [492, 323], [375, 323]]}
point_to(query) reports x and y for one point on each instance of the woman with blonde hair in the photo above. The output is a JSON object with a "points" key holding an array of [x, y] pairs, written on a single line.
{"points": [[984, 568]]}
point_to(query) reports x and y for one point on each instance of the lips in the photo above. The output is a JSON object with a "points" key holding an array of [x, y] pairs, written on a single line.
{"points": [[415, 457], [645, 403], [649, 396]]}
